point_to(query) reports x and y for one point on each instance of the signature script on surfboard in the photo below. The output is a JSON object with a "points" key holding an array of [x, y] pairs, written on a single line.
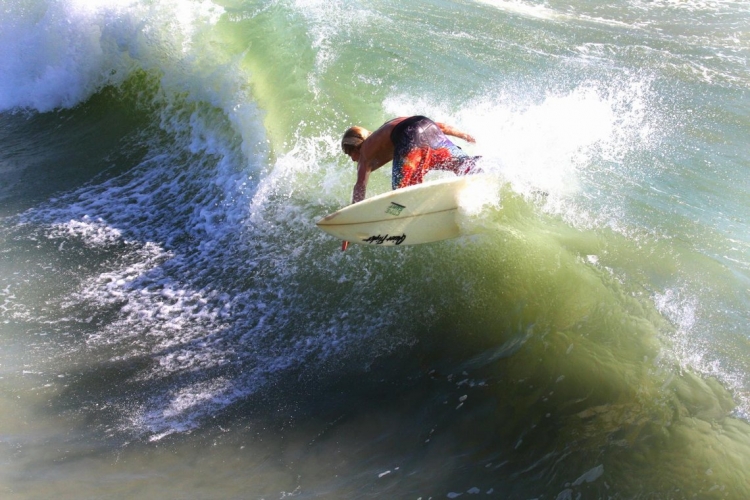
{"points": [[397, 239]]}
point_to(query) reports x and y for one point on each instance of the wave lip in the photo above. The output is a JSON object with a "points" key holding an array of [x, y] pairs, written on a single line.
{"points": [[58, 54], [53, 57]]}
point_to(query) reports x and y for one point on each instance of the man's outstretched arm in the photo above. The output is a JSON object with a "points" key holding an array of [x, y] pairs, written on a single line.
{"points": [[452, 131]]}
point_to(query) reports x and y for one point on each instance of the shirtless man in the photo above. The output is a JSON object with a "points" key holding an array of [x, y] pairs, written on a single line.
{"points": [[415, 144]]}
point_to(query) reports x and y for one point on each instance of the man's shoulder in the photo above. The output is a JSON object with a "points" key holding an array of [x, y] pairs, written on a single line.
{"points": [[383, 134], [391, 123], [395, 121]]}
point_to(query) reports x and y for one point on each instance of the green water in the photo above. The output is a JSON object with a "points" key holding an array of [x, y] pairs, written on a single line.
{"points": [[173, 324]]}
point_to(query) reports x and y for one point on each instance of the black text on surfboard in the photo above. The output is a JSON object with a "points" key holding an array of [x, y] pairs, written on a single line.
{"points": [[380, 239]]}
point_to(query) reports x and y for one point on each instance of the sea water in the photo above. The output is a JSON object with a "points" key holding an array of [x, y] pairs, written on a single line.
{"points": [[173, 324]]}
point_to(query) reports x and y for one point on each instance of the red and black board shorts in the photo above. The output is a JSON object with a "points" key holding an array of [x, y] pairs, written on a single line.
{"points": [[420, 146]]}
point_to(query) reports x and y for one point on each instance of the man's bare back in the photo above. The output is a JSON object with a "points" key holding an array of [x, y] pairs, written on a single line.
{"points": [[377, 148]]}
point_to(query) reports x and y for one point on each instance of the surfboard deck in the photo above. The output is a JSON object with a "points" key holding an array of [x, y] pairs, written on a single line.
{"points": [[418, 214]]}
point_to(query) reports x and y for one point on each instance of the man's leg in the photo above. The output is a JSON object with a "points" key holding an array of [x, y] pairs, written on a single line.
{"points": [[411, 168]]}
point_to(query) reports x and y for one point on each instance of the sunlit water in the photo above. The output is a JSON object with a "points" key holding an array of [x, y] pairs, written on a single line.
{"points": [[174, 325]]}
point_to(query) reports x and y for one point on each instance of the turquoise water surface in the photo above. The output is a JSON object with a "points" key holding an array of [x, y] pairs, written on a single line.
{"points": [[174, 325]]}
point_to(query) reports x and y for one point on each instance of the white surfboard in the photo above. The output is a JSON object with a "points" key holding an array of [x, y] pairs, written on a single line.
{"points": [[412, 215]]}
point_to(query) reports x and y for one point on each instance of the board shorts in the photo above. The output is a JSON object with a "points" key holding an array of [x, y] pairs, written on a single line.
{"points": [[420, 146]]}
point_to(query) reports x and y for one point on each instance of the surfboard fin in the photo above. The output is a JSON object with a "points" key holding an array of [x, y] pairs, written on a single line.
{"points": [[344, 246]]}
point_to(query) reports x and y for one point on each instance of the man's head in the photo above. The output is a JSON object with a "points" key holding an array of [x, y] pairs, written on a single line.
{"points": [[353, 139]]}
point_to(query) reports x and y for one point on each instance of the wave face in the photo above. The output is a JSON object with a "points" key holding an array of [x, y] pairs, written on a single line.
{"points": [[174, 323]]}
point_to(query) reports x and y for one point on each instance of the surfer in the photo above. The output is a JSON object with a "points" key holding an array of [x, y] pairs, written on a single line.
{"points": [[415, 144]]}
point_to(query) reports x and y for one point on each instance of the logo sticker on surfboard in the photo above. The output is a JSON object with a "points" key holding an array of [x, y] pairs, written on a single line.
{"points": [[394, 209]]}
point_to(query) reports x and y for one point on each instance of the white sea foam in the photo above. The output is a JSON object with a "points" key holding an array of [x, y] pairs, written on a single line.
{"points": [[57, 54], [556, 146], [94, 233], [695, 349], [194, 189], [329, 21], [202, 277], [526, 9]]}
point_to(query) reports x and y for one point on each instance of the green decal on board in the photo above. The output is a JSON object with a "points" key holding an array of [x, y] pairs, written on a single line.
{"points": [[395, 209]]}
